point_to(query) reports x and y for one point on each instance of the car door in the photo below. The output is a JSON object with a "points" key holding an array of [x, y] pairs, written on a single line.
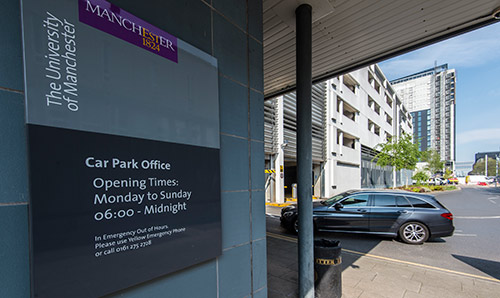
{"points": [[351, 214], [388, 212]]}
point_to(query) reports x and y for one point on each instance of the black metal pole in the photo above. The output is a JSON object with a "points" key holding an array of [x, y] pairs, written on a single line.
{"points": [[304, 149]]}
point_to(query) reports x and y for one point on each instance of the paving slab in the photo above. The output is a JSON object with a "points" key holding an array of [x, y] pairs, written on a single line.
{"points": [[366, 276]]}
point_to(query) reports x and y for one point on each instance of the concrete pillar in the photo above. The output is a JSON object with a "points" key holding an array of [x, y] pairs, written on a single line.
{"points": [[341, 110], [318, 171], [279, 180], [398, 121], [341, 142], [331, 145], [279, 158], [486, 165]]}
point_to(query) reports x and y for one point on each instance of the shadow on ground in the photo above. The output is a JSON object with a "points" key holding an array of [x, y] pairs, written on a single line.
{"points": [[492, 268], [282, 261]]}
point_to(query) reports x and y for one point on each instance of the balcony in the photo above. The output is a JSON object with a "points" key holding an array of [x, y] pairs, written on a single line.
{"points": [[349, 126], [372, 140], [373, 116], [349, 96], [350, 83], [349, 155], [388, 126]]}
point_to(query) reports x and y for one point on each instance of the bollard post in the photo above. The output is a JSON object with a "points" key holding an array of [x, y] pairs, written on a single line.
{"points": [[327, 269]]}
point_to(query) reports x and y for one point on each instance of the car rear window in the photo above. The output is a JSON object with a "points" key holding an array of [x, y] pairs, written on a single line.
{"points": [[441, 205], [402, 202], [418, 203], [384, 201]]}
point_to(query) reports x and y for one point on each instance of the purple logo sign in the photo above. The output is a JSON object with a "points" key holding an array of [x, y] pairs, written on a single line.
{"points": [[111, 19]]}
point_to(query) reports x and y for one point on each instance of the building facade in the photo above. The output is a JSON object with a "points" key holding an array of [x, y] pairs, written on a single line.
{"points": [[352, 115], [462, 168], [430, 96], [492, 154]]}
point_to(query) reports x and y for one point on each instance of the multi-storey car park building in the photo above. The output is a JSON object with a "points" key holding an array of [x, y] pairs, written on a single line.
{"points": [[430, 97], [352, 114]]}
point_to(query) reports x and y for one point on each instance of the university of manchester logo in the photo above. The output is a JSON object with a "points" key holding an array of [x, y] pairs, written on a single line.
{"points": [[113, 20]]}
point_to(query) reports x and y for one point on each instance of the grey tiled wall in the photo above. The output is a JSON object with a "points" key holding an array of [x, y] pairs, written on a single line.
{"points": [[14, 243], [232, 32]]}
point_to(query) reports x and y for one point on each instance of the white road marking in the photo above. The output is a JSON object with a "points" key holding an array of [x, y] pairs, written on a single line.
{"points": [[493, 198], [465, 235], [272, 215], [477, 217]]}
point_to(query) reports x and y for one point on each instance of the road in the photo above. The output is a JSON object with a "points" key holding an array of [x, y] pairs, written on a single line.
{"points": [[473, 250]]}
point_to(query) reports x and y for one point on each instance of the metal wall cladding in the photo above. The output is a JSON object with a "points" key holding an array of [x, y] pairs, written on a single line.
{"points": [[290, 124], [270, 129]]}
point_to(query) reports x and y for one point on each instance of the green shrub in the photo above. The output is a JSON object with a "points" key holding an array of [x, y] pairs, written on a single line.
{"points": [[429, 188], [420, 177]]}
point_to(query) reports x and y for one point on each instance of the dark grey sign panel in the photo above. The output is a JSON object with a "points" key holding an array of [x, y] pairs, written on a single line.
{"points": [[123, 130], [118, 210]]}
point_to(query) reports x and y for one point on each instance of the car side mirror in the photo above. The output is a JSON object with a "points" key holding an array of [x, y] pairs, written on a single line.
{"points": [[338, 206]]}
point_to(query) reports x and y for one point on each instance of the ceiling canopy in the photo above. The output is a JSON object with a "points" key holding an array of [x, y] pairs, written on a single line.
{"points": [[347, 35]]}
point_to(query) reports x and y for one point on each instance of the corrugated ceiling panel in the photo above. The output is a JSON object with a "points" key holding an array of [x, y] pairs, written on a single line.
{"points": [[269, 4], [413, 31], [360, 49], [357, 32]]}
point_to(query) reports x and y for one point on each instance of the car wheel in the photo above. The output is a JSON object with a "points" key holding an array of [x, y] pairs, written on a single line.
{"points": [[295, 225], [294, 228], [414, 233]]}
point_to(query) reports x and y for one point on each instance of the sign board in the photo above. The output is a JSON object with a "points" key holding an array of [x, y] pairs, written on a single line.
{"points": [[123, 137]]}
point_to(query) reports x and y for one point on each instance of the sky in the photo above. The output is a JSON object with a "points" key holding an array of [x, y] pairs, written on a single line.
{"points": [[476, 58]]}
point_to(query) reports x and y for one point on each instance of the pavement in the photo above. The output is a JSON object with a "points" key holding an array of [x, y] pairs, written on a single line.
{"points": [[366, 275]]}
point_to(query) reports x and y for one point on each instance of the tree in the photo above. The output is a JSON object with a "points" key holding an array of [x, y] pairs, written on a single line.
{"points": [[479, 167], [420, 177], [433, 159], [399, 154], [448, 174]]}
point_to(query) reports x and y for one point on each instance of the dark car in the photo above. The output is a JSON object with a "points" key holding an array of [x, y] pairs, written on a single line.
{"points": [[411, 216]]}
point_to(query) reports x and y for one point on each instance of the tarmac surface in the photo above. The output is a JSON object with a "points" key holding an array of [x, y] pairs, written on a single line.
{"points": [[370, 274]]}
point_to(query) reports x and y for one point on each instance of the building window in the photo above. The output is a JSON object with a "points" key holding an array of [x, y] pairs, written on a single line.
{"points": [[373, 82], [388, 118], [388, 100], [349, 111], [350, 83]]}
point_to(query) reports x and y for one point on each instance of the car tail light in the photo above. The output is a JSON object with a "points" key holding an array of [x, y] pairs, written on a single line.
{"points": [[447, 216]]}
